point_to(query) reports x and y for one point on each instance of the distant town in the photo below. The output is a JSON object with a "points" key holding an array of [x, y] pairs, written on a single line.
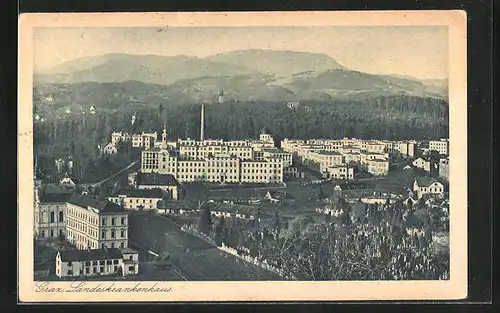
{"points": [[254, 209]]}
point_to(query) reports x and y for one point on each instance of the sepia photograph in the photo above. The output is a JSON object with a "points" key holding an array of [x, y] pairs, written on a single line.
{"points": [[242, 156]]}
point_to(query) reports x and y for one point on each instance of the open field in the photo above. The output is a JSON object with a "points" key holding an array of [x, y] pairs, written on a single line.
{"points": [[192, 257]]}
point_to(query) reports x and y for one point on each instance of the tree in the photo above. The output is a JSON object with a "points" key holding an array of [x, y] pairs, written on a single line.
{"points": [[328, 218], [276, 223], [205, 221], [321, 194]]}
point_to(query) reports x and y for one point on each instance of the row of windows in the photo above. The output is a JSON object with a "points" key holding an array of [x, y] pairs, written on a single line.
{"points": [[52, 233], [114, 220], [104, 232], [52, 217]]}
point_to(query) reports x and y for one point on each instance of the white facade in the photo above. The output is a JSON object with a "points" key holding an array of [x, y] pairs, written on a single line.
{"points": [[432, 187], [89, 227], [441, 146]]}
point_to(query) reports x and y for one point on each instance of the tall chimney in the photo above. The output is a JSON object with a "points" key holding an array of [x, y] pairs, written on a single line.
{"points": [[202, 124]]}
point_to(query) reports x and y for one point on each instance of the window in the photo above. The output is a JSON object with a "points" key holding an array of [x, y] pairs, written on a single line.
{"points": [[113, 221], [103, 234], [70, 272], [60, 232], [94, 263], [102, 269], [112, 245], [122, 245], [108, 262], [116, 268], [102, 262], [131, 268], [104, 221], [112, 233], [87, 270], [51, 233], [94, 270], [61, 216], [115, 261], [52, 217], [87, 263], [122, 233], [69, 263]]}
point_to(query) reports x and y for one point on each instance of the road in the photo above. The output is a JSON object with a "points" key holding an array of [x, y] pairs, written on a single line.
{"points": [[93, 185]]}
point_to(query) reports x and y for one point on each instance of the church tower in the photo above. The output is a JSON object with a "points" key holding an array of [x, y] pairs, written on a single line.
{"points": [[164, 136]]}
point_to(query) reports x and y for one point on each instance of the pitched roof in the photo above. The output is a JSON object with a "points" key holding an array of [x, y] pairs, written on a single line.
{"points": [[280, 195], [104, 206], [354, 186], [54, 197], [139, 193], [90, 255], [425, 181], [155, 179]]}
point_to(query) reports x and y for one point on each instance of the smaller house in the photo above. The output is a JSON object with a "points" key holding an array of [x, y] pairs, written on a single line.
{"points": [[67, 182], [110, 148], [278, 197], [425, 164], [407, 167], [96, 262], [237, 211], [427, 186], [176, 208]]}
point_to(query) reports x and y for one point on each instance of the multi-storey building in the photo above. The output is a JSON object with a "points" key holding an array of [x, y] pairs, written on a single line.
{"points": [[343, 172], [167, 183], [145, 139], [378, 167], [136, 199], [216, 161], [441, 146], [93, 224], [50, 214]]}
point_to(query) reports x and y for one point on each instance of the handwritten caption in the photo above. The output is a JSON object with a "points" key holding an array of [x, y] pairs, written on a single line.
{"points": [[80, 286]]}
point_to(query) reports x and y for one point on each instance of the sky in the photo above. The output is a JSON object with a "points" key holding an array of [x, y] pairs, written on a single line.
{"points": [[416, 51]]}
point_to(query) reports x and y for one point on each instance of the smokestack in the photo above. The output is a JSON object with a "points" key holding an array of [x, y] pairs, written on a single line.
{"points": [[202, 125]]}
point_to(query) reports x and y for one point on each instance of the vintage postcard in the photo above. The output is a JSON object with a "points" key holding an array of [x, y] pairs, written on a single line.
{"points": [[243, 156]]}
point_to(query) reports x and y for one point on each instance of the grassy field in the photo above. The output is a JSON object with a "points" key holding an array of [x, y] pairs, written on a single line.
{"points": [[193, 257]]}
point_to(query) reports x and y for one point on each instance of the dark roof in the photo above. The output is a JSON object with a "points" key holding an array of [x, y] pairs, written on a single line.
{"points": [[54, 197], [104, 206], [90, 255], [176, 205], [354, 186], [426, 181], [280, 195], [156, 179], [139, 193]]}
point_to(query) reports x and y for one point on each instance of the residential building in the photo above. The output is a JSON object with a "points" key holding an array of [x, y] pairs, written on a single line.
{"points": [[50, 215], [278, 197], [427, 186], [137, 199], [237, 211], [424, 164], [97, 262], [110, 148], [93, 224]]}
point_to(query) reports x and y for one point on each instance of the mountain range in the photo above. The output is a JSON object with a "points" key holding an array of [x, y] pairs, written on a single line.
{"points": [[244, 75]]}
